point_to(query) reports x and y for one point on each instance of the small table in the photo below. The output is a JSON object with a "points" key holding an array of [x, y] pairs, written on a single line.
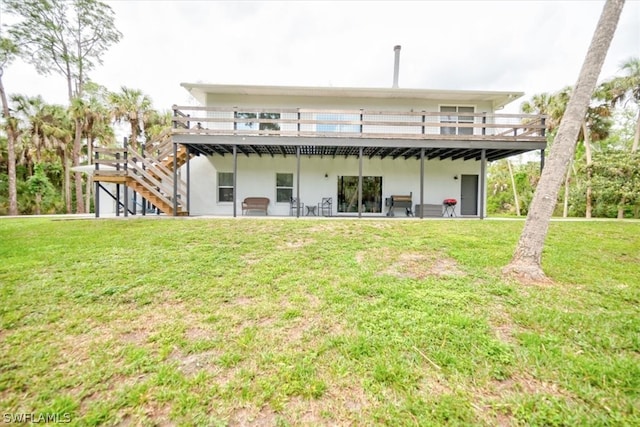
{"points": [[311, 210]]}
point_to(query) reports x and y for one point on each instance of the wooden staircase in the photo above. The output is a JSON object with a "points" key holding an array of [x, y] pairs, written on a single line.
{"points": [[150, 175]]}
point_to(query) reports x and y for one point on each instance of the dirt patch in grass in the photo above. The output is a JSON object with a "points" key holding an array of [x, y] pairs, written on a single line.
{"points": [[250, 416], [413, 265], [191, 364], [297, 243]]}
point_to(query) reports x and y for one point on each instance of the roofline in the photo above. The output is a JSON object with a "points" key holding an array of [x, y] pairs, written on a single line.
{"points": [[498, 98]]}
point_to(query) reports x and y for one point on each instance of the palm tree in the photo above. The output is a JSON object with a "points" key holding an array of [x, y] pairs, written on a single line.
{"points": [[32, 113], [622, 89], [526, 261], [94, 117], [59, 132], [8, 52], [130, 105]]}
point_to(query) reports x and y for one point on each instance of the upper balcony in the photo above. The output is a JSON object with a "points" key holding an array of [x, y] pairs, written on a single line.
{"points": [[336, 131]]}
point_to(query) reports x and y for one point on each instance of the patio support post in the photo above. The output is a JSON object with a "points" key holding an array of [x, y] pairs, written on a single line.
{"points": [[188, 179], [96, 195], [235, 179], [541, 160], [126, 187], [144, 201], [483, 172], [360, 184], [175, 179], [421, 182], [298, 181]]}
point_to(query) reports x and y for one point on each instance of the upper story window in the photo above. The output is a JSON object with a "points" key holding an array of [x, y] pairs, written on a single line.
{"points": [[253, 121], [453, 116], [225, 186], [330, 122]]}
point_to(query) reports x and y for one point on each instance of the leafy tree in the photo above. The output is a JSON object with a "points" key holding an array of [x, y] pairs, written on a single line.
{"points": [[616, 178], [8, 52], [39, 186], [526, 262]]}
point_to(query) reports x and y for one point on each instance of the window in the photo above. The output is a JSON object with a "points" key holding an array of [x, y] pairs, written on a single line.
{"points": [[284, 187], [225, 187], [245, 121], [454, 118], [338, 123]]}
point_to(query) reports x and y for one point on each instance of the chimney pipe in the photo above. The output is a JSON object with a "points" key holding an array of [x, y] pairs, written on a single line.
{"points": [[396, 66]]}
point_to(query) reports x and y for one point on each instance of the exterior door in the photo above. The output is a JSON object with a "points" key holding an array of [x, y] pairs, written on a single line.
{"points": [[469, 195]]}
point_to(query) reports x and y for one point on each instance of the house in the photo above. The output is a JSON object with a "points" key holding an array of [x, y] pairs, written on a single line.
{"points": [[358, 149]]}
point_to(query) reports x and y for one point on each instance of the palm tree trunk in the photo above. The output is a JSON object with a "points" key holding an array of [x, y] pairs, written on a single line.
{"points": [[515, 190], [11, 152], [67, 182], [77, 144], [526, 262], [587, 150], [567, 182]]}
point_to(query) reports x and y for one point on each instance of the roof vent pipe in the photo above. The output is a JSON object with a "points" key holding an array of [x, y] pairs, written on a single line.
{"points": [[396, 66]]}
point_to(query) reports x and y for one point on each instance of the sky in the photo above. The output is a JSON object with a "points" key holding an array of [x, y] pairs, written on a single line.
{"points": [[519, 45]]}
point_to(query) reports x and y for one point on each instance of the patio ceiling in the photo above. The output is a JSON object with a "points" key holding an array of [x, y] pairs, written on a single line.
{"points": [[341, 147]]}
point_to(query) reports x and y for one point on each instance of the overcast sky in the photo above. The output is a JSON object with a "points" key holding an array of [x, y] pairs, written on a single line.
{"points": [[528, 46]]}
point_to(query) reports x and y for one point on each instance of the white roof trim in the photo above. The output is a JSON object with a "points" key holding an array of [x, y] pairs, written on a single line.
{"points": [[497, 98]]}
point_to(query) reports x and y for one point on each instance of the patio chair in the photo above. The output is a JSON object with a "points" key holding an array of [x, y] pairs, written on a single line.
{"points": [[293, 207], [325, 207]]}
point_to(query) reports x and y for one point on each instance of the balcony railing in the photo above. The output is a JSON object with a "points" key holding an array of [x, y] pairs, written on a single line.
{"points": [[335, 123]]}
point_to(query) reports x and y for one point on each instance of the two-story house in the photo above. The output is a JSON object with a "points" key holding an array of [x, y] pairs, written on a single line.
{"points": [[356, 151]]}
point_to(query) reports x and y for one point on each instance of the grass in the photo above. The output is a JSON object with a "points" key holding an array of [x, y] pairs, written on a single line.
{"points": [[317, 322]]}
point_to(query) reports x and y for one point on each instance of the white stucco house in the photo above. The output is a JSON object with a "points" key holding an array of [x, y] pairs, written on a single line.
{"points": [[355, 149]]}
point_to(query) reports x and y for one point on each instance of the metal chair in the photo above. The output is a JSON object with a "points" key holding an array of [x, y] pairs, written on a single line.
{"points": [[325, 207], [294, 205]]}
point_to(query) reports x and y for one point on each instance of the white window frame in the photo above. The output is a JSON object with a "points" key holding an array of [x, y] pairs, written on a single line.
{"points": [[457, 117], [219, 187], [283, 187]]}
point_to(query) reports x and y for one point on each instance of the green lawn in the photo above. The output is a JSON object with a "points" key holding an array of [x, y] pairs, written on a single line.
{"points": [[317, 322]]}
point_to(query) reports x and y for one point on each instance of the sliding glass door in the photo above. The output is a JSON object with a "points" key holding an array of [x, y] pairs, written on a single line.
{"points": [[371, 194]]}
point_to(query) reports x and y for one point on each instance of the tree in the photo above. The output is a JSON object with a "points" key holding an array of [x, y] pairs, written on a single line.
{"points": [[626, 88], [39, 186], [8, 52], [68, 38], [132, 106], [617, 178], [526, 261]]}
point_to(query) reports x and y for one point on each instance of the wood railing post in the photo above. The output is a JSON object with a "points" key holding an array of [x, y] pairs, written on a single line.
{"points": [[544, 126], [424, 120], [484, 122], [298, 123], [361, 119]]}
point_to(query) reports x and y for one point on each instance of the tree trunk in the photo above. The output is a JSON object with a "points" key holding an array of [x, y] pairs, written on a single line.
{"points": [[38, 203], [67, 183], [567, 181], [77, 145], [515, 190], [587, 150], [636, 136], [87, 201], [526, 263], [11, 152]]}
